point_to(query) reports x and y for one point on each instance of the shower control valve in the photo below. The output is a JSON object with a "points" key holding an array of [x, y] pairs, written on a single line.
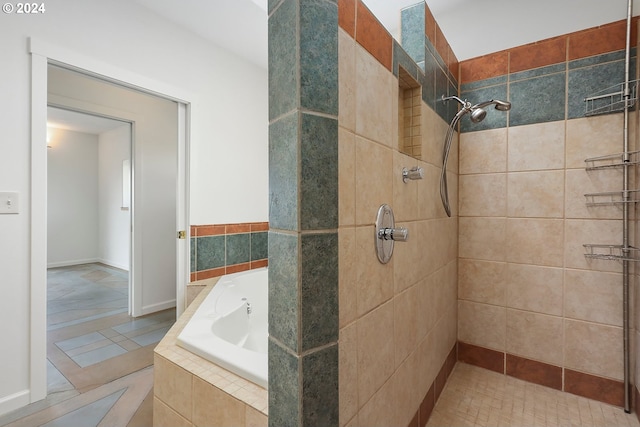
{"points": [[399, 234], [413, 173]]}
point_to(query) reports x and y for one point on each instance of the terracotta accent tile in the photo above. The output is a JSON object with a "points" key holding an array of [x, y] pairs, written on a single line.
{"points": [[441, 44], [415, 421], [259, 263], [484, 67], [593, 387], [371, 35], [259, 226], [238, 267], [636, 402], [193, 277], [238, 228], [539, 54], [429, 24], [452, 359], [453, 63], [445, 371], [209, 230], [594, 41], [534, 372], [193, 229], [482, 357], [427, 405], [207, 274], [347, 16]]}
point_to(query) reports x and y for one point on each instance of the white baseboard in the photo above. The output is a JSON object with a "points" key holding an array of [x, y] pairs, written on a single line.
{"points": [[14, 401], [72, 262], [119, 266], [148, 309]]}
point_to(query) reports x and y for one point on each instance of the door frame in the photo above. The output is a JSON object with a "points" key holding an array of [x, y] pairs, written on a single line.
{"points": [[42, 54]]}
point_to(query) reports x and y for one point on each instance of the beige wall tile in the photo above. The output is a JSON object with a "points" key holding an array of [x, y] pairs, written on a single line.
{"points": [[580, 182], [428, 369], [482, 324], [593, 296], [452, 184], [379, 411], [348, 290], [535, 336], [429, 203], [434, 130], [483, 151], [374, 281], [482, 281], [593, 137], [374, 179], [254, 418], [405, 195], [173, 385], [482, 238], [346, 177], [443, 248], [405, 311], [594, 349], [535, 288], [214, 407], [348, 373], [536, 194], [163, 416], [347, 80], [426, 316], [578, 232], [376, 100], [537, 147], [406, 390], [376, 351], [407, 256], [446, 334], [535, 241], [483, 195]]}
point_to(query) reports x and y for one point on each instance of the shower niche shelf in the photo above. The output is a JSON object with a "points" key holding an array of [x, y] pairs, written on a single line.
{"points": [[611, 252], [612, 161], [611, 198], [611, 99]]}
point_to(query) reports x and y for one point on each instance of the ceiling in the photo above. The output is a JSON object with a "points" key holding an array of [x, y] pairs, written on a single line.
{"points": [[472, 27], [59, 118]]}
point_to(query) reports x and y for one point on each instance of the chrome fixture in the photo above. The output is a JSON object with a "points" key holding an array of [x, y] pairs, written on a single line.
{"points": [[478, 113], [415, 172], [387, 234], [248, 304]]}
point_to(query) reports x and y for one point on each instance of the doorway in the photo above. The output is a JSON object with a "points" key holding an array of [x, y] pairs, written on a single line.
{"points": [[170, 167]]}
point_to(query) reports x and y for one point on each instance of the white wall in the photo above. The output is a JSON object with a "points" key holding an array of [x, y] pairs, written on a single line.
{"points": [[72, 209], [231, 112], [114, 223]]}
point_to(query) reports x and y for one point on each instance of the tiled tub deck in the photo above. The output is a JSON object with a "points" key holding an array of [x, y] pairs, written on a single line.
{"points": [[191, 391]]}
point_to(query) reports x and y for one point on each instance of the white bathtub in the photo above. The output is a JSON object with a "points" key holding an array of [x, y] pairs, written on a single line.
{"points": [[230, 327]]}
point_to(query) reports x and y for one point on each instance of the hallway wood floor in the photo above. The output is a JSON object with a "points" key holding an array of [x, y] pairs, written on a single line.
{"points": [[99, 359]]}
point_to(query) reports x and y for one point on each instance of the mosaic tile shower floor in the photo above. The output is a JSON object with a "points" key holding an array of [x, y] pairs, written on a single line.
{"points": [[99, 359], [478, 397]]}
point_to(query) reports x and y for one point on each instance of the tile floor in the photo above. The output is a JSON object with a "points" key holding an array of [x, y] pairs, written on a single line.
{"points": [[99, 359], [478, 397], [100, 370]]}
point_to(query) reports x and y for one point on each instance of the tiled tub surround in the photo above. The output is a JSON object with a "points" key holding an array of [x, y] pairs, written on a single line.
{"points": [[529, 303], [191, 391], [222, 249], [397, 320]]}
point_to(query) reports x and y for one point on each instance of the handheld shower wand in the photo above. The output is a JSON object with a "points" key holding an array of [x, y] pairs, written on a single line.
{"points": [[478, 113]]}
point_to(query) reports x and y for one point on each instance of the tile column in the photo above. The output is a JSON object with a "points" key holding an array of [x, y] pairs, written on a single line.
{"points": [[303, 212]]}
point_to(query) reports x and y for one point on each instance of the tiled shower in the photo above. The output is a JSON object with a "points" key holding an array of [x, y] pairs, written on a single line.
{"points": [[502, 284]]}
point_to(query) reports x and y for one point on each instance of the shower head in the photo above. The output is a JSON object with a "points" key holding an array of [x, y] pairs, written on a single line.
{"points": [[500, 105], [478, 115]]}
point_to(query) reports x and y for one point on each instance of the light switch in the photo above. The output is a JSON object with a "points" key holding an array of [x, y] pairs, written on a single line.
{"points": [[9, 202]]}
